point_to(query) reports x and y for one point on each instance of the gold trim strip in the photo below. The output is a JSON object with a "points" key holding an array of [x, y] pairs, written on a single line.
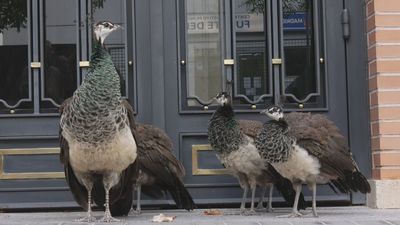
{"points": [[30, 151], [32, 176], [196, 171], [28, 175]]}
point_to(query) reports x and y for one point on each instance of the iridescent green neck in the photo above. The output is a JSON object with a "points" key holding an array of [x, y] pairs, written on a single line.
{"points": [[102, 83]]}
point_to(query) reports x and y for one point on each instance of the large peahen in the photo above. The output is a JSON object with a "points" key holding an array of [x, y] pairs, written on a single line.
{"points": [[97, 137]]}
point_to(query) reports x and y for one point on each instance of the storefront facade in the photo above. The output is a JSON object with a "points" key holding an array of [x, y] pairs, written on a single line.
{"points": [[173, 57]]}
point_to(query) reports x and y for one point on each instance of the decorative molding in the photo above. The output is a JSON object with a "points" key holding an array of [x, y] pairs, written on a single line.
{"points": [[28, 175], [196, 171]]}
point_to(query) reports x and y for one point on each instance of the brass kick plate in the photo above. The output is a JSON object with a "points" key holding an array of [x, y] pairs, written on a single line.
{"points": [[4, 175], [196, 171]]}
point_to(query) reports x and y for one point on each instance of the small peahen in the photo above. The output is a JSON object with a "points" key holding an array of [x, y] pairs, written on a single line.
{"points": [[309, 149]]}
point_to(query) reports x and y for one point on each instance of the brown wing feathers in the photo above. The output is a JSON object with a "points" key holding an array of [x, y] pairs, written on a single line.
{"points": [[250, 127], [156, 159], [323, 139]]}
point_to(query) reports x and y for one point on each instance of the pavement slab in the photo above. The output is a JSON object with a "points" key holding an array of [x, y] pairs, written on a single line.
{"points": [[327, 216]]}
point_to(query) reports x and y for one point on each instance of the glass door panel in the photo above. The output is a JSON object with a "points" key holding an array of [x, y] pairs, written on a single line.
{"points": [[253, 80], [15, 79], [59, 75], [203, 51], [115, 12], [303, 78]]}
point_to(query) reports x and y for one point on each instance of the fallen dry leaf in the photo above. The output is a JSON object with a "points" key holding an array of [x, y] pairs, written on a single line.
{"points": [[213, 212], [163, 218]]}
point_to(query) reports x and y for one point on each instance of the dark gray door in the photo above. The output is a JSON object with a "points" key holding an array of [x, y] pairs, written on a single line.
{"points": [[44, 55], [173, 57], [259, 51]]}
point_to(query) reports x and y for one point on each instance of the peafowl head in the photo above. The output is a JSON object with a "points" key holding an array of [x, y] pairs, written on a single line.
{"points": [[274, 112], [103, 29], [223, 98]]}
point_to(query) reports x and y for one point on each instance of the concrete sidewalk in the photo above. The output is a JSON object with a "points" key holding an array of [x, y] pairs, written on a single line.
{"points": [[327, 215]]}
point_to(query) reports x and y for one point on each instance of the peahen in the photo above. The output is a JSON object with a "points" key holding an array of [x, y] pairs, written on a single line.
{"points": [[98, 137], [309, 149]]}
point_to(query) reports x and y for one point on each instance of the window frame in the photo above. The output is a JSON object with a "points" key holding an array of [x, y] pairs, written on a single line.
{"points": [[274, 49]]}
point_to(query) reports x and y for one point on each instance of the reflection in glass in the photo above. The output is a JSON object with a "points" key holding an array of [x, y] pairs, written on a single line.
{"points": [[60, 61], [300, 80], [203, 51], [14, 72], [252, 81], [114, 11]]}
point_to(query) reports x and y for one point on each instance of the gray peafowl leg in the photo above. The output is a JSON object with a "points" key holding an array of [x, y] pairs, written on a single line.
{"points": [[243, 204], [109, 181], [88, 218], [138, 210], [253, 196], [107, 214], [261, 200], [86, 180], [314, 199], [139, 193], [271, 191], [295, 211]]}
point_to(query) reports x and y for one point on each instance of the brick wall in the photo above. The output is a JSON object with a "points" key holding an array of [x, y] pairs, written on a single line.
{"points": [[383, 30]]}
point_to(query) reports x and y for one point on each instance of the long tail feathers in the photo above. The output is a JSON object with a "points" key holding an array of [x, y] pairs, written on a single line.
{"points": [[181, 196], [153, 191], [352, 181], [123, 205], [358, 182]]}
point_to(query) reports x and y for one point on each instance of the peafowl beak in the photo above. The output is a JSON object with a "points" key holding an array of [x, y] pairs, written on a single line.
{"points": [[116, 27]]}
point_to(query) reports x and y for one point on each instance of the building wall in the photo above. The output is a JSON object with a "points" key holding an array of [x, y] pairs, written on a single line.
{"points": [[383, 35]]}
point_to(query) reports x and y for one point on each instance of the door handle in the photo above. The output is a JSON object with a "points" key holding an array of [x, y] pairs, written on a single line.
{"points": [[229, 62]]}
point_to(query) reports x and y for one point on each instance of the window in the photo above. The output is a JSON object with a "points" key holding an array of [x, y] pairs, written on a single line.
{"points": [[59, 50], [203, 51], [44, 52], [15, 74]]}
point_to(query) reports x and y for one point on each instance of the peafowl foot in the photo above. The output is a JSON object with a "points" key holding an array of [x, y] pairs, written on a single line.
{"points": [[270, 209], [292, 215], [135, 212], [250, 212], [109, 219], [260, 208], [86, 219]]}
